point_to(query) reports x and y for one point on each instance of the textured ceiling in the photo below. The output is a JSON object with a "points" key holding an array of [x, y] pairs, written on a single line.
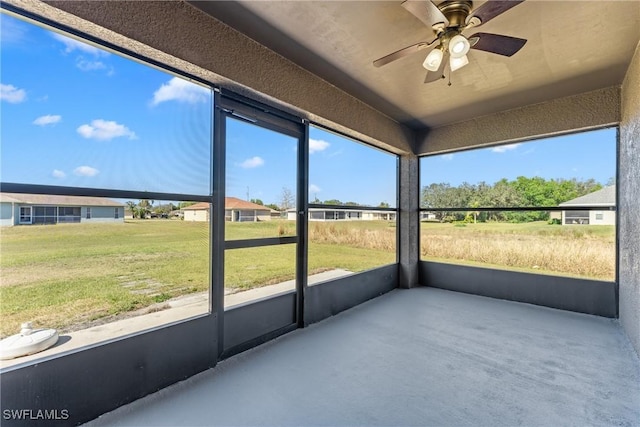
{"points": [[573, 47]]}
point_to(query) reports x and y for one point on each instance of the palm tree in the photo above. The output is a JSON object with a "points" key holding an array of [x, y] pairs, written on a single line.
{"points": [[132, 207]]}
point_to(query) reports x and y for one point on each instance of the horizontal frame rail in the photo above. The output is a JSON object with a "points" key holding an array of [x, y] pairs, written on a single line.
{"points": [[254, 243], [523, 209], [351, 207], [9, 187]]}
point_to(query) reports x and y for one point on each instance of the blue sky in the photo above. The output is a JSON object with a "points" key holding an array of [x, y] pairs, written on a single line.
{"points": [[77, 115], [581, 155]]}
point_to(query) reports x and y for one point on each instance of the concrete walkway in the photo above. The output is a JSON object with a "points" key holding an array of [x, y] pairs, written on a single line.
{"points": [[418, 357], [170, 311]]}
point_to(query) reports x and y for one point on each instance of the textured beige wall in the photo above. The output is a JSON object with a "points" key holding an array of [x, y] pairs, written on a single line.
{"points": [[629, 203], [177, 34], [409, 222], [580, 112]]}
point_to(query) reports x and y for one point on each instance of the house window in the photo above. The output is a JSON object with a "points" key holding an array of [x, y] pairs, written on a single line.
{"points": [[45, 215], [116, 213], [69, 214], [88, 213], [576, 217], [599, 216], [25, 215]]}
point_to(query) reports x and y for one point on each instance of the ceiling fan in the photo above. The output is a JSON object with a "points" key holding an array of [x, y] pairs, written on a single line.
{"points": [[449, 20]]}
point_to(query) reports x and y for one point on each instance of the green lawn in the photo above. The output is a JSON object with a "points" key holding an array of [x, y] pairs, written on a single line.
{"points": [[66, 275], [69, 274]]}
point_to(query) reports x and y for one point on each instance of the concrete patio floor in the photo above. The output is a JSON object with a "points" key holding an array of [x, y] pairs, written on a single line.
{"points": [[416, 357]]}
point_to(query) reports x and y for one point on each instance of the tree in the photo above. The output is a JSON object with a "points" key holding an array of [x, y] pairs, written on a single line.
{"points": [[521, 192], [132, 207], [383, 205], [437, 196], [475, 204], [287, 200], [144, 208], [332, 202], [257, 202], [183, 205]]}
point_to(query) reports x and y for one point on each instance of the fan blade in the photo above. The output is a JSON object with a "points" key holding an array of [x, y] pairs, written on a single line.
{"points": [[433, 76], [496, 43], [409, 50], [425, 11], [491, 9]]}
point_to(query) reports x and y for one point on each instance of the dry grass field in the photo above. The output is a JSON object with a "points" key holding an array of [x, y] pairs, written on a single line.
{"points": [[579, 250]]}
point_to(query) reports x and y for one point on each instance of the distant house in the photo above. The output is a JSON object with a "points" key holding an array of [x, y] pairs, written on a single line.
{"points": [[356, 214], [605, 199], [235, 210], [29, 209], [197, 212], [428, 216]]}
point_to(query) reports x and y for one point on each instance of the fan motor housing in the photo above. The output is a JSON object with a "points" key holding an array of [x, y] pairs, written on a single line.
{"points": [[456, 11]]}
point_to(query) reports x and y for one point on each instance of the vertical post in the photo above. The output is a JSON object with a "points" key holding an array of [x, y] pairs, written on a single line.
{"points": [[217, 219], [408, 222], [302, 227]]}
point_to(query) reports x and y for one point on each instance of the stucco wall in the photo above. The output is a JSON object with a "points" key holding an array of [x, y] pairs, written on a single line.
{"points": [[196, 215], [629, 203], [608, 218], [102, 214], [6, 215], [589, 110]]}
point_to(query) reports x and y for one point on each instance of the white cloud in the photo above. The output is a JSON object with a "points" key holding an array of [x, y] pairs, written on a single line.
{"points": [[13, 30], [12, 94], [58, 174], [73, 45], [47, 120], [180, 90], [447, 157], [314, 188], [505, 148], [253, 162], [316, 145], [87, 65], [86, 171], [105, 130]]}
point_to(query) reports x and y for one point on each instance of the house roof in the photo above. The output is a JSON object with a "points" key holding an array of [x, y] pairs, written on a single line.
{"points": [[235, 203], [604, 197], [230, 203], [202, 206], [47, 199]]}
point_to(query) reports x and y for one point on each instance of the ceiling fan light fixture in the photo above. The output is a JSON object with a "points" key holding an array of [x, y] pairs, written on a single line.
{"points": [[459, 46], [433, 60], [457, 63]]}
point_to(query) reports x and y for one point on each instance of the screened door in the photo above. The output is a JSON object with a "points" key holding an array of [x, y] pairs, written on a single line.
{"points": [[262, 238]]}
